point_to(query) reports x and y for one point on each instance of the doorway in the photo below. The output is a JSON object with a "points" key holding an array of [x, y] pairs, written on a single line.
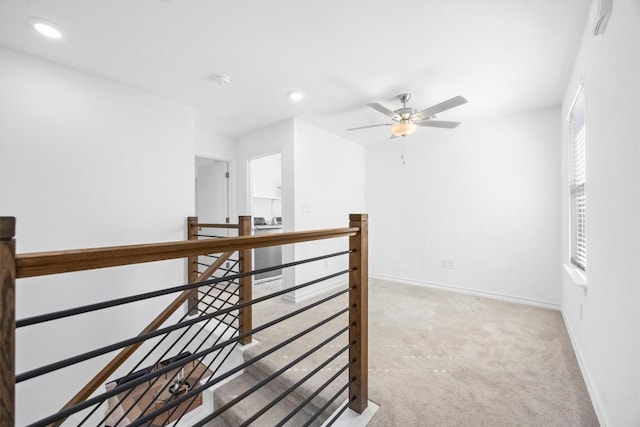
{"points": [[266, 209], [266, 188], [212, 190]]}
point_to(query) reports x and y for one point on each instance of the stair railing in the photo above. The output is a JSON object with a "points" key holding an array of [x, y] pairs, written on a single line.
{"points": [[7, 319], [101, 377], [245, 262], [14, 267]]}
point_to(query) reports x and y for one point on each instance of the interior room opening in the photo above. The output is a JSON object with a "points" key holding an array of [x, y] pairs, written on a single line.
{"points": [[266, 210]]}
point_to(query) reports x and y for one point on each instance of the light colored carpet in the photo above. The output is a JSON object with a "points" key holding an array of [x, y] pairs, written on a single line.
{"points": [[439, 358]]}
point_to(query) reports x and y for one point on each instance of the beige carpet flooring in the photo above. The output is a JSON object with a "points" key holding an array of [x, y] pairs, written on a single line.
{"points": [[439, 358]]}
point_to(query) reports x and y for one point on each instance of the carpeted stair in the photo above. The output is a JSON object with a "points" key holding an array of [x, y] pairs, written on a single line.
{"points": [[263, 396], [277, 360], [242, 410]]}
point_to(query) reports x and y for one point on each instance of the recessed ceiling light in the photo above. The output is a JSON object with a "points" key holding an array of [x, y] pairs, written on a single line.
{"points": [[296, 95], [46, 28]]}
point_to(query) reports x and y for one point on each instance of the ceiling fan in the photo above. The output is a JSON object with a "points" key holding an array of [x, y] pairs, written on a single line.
{"points": [[406, 120]]}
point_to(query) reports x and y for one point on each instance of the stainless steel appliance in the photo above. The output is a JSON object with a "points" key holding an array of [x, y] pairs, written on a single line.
{"points": [[270, 256]]}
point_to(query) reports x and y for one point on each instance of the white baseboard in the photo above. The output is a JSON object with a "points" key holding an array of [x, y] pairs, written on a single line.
{"points": [[591, 388], [307, 294], [475, 292]]}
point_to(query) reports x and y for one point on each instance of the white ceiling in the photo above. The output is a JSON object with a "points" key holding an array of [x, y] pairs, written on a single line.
{"points": [[504, 56]]}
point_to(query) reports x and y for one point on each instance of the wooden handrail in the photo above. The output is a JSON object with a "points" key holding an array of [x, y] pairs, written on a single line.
{"points": [[358, 315], [192, 264], [205, 225], [7, 320], [101, 377], [44, 263], [246, 283]]}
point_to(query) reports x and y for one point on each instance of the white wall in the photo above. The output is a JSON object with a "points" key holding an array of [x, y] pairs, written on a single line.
{"points": [[329, 185], [85, 162], [322, 182], [607, 335], [212, 144], [483, 196]]}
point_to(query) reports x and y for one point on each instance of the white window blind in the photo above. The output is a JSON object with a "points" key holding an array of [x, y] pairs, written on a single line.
{"points": [[578, 180]]}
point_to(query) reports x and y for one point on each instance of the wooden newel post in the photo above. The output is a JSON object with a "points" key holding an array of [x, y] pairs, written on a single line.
{"points": [[358, 316], [246, 282], [192, 266], [7, 320]]}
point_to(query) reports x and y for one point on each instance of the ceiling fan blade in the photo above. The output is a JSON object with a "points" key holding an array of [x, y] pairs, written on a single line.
{"points": [[435, 109], [371, 126], [438, 124], [384, 110]]}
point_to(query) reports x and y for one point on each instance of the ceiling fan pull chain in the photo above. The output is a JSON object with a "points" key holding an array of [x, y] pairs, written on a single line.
{"points": [[402, 154]]}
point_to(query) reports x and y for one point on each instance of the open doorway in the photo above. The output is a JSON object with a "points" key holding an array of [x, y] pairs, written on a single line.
{"points": [[266, 188], [265, 174], [212, 190]]}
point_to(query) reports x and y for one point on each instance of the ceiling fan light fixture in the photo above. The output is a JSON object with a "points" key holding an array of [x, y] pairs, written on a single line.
{"points": [[404, 127], [406, 120]]}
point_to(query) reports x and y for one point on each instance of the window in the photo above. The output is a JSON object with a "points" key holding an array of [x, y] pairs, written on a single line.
{"points": [[578, 179]]}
